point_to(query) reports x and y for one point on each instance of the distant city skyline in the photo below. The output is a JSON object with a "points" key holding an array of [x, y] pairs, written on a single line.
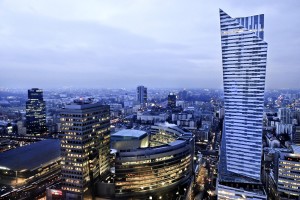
{"points": [[112, 44]]}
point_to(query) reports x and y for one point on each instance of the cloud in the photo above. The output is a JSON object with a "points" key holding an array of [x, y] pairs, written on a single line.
{"points": [[125, 43]]}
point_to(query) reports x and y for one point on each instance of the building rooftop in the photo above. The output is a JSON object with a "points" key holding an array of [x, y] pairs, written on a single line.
{"points": [[165, 124], [176, 142], [79, 105], [296, 149], [31, 156], [230, 177], [256, 188], [129, 134], [174, 127]]}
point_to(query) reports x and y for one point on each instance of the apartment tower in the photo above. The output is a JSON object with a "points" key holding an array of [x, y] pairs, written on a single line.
{"points": [[244, 59]]}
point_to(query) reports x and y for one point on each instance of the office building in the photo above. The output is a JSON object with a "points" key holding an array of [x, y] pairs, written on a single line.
{"points": [[296, 136], [142, 95], [285, 175], [185, 119], [182, 95], [244, 54], [151, 117], [241, 191], [285, 115], [288, 174], [244, 57], [35, 112], [288, 184], [171, 100], [85, 147], [158, 171], [129, 139]]}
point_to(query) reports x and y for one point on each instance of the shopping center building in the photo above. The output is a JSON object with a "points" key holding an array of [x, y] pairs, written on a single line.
{"points": [[162, 166]]}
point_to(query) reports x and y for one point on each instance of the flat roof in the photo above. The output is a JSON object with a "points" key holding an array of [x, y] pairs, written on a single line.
{"points": [[296, 149], [82, 105], [165, 124], [131, 133], [176, 142], [31, 156]]}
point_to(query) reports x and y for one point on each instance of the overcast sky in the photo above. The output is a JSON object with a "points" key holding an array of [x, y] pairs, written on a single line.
{"points": [[125, 43]]}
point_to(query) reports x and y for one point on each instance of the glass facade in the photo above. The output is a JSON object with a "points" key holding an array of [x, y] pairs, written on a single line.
{"points": [[142, 97], [154, 169], [171, 100], [151, 172], [35, 112], [244, 58], [164, 133], [289, 175]]}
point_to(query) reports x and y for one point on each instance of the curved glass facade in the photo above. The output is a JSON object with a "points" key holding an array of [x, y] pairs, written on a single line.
{"points": [[150, 170]]}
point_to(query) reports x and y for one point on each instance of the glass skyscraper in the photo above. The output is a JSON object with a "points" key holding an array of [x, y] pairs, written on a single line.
{"points": [[244, 59], [35, 112], [171, 100], [141, 95]]}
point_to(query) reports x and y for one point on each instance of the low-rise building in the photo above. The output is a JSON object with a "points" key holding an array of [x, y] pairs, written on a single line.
{"points": [[151, 167], [149, 117], [32, 164]]}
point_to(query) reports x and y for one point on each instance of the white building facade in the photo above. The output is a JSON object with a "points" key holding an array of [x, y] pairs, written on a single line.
{"points": [[244, 58]]}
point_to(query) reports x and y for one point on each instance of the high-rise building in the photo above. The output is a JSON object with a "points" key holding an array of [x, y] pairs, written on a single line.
{"points": [[244, 58], [182, 95], [296, 135], [35, 112], [171, 100], [284, 178], [288, 178], [142, 95], [85, 147], [285, 115]]}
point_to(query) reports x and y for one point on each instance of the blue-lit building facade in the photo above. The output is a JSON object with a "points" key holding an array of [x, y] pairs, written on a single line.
{"points": [[35, 112], [244, 59], [142, 95]]}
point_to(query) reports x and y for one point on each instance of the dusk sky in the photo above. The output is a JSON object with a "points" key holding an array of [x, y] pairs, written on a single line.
{"points": [[125, 43]]}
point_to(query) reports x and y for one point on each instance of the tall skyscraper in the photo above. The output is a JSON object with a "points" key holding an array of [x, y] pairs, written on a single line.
{"points": [[142, 95], [285, 115], [244, 58], [35, 112], [182, 95], [85, 147], [171, 100]]}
